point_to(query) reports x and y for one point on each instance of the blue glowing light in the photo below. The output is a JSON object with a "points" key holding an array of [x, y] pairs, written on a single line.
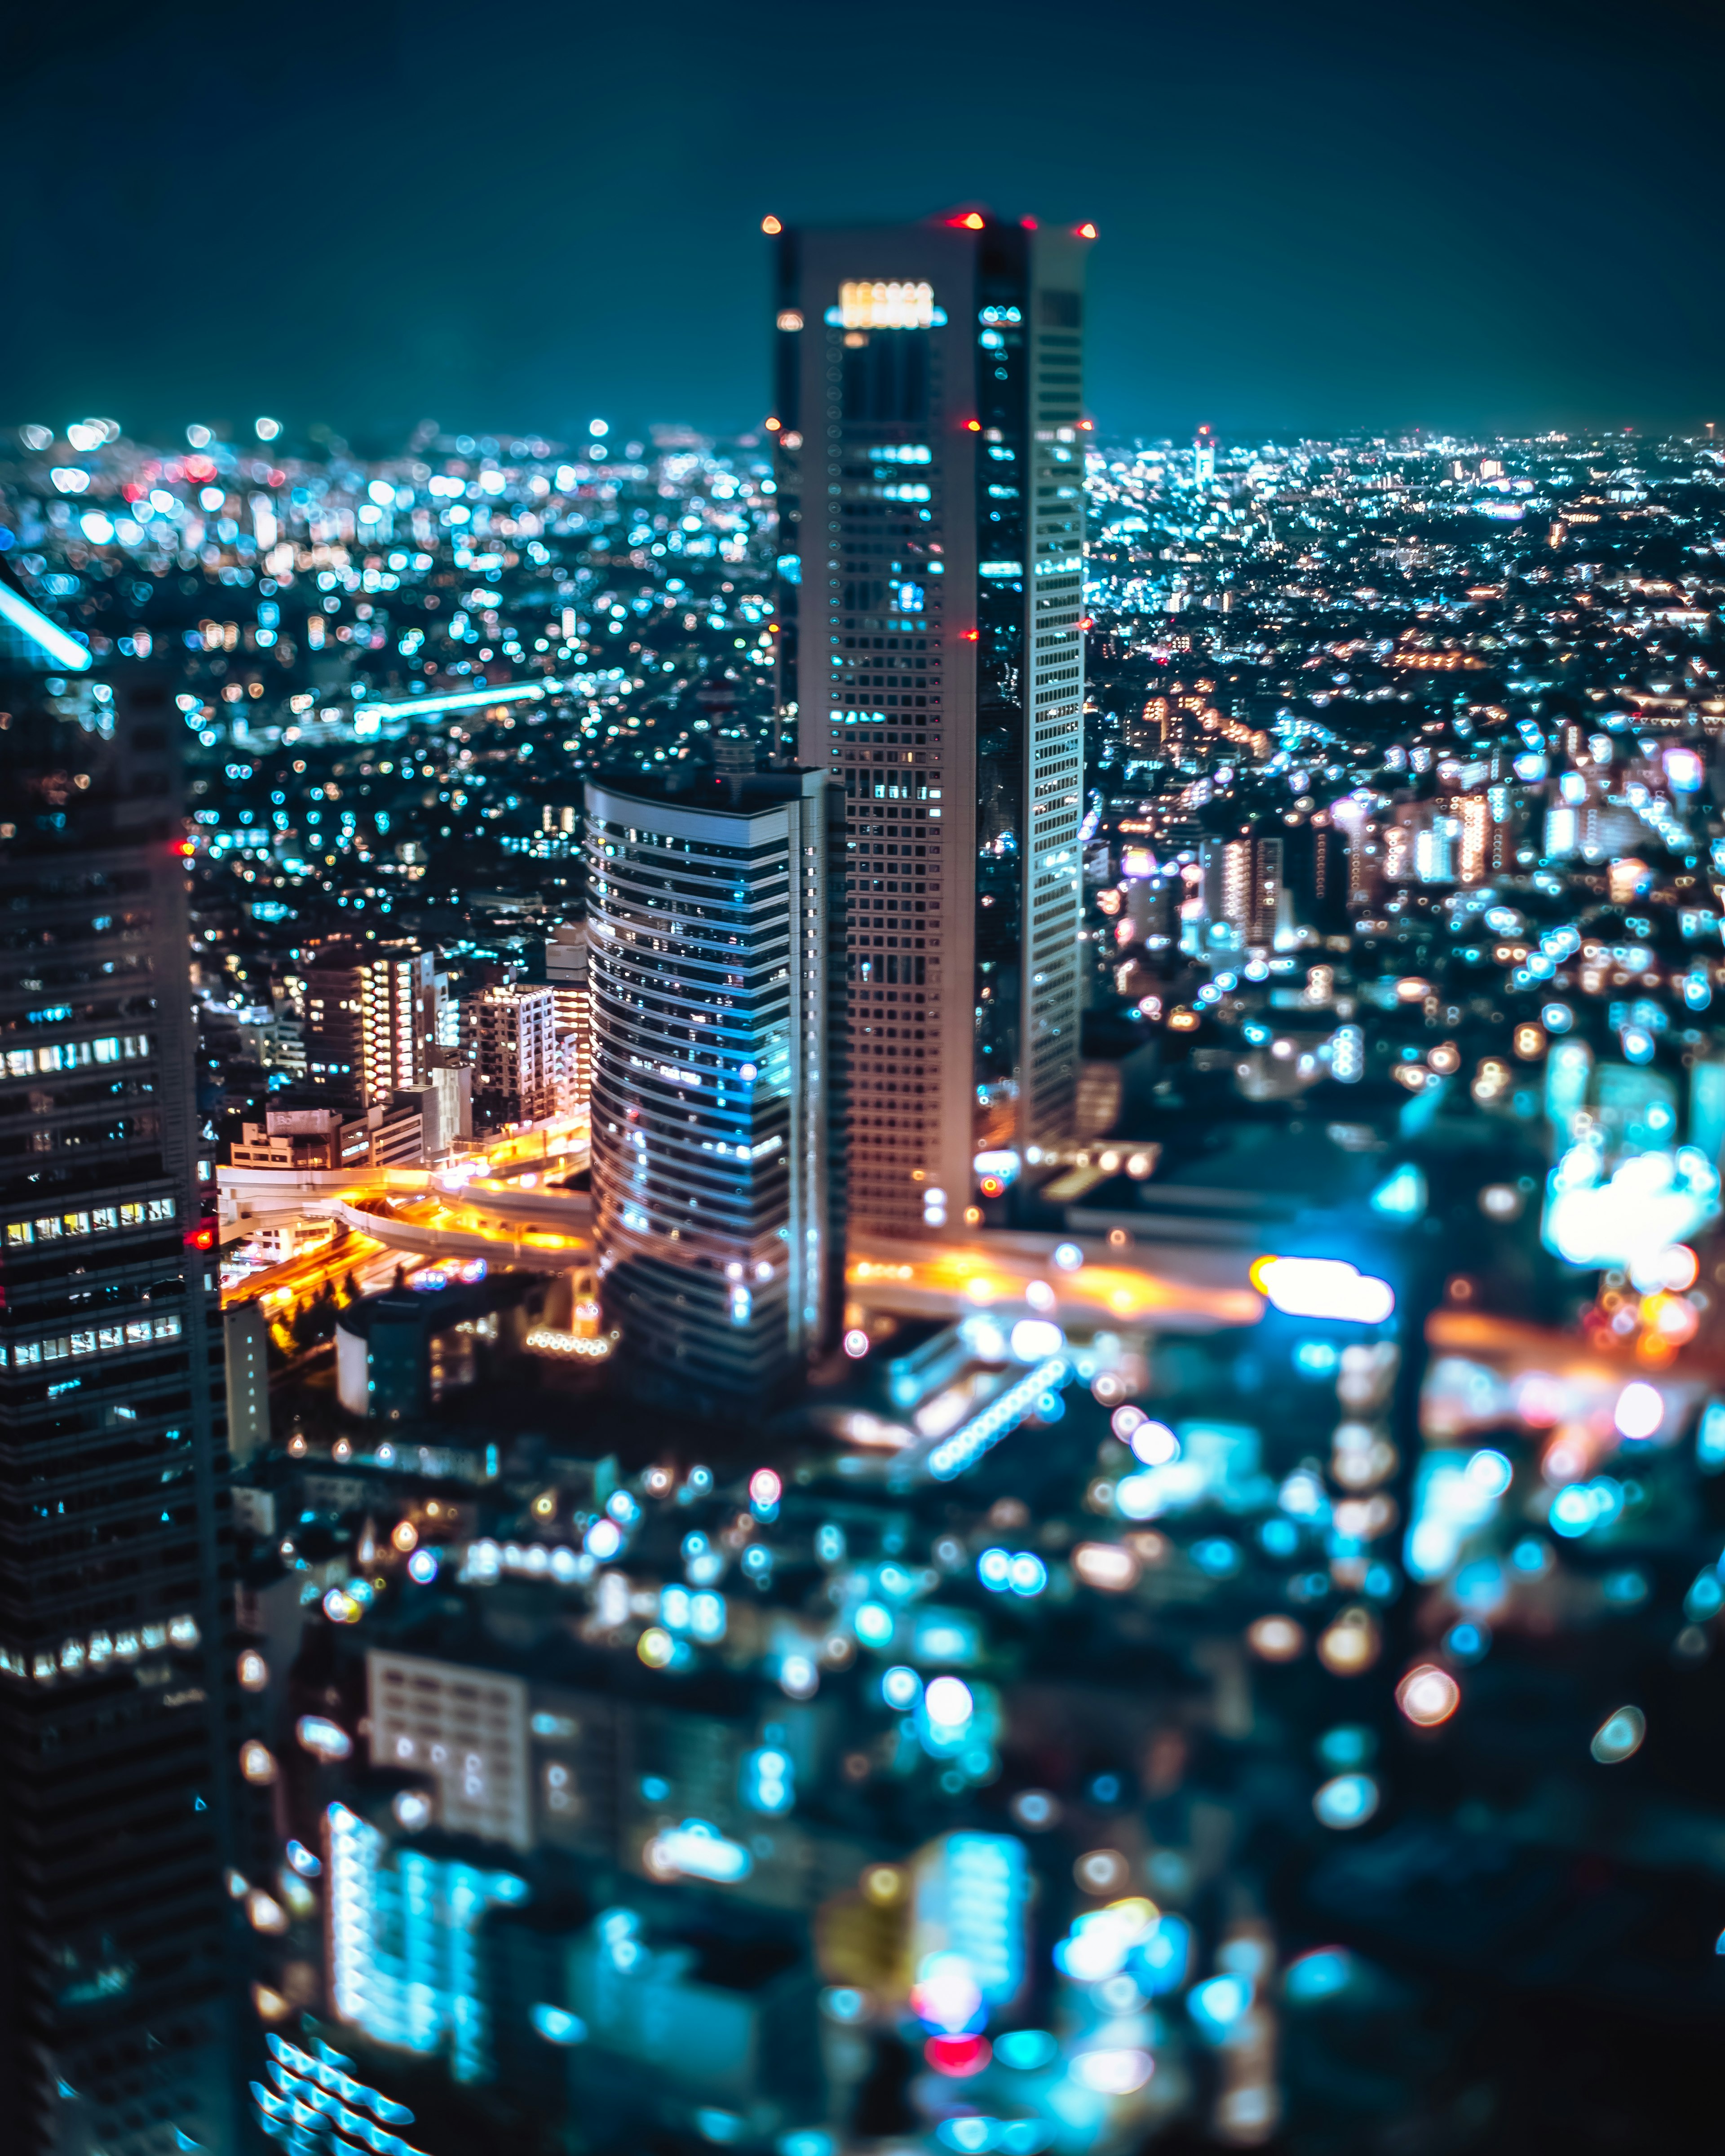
{"points": [[967, 1443], [1028, 1575], [1467, 1642], [1216, 2006], [464, 699], [769, 1781], [558, 2027], [1348, 1800], [873, 1623], [1319, 1974], [1350, 1744], [1026, 2050], [1161, 1963], [1578, 1507], [697, 1851], [1401, 1196], [51, 640], [993, 1569]]}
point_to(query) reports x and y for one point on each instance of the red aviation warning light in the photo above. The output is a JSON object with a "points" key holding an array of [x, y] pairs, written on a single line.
{"points": [[770, 224], [969, 220], [1087, 232]]}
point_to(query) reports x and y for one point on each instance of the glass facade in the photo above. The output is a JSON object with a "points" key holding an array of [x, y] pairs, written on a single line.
{"points": [[931, 473], [113, 1756], [715, 932]]}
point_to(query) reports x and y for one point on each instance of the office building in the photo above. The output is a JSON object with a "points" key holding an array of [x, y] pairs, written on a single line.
{"points": [[512, 1036], [566, 976], [113, 1759], [931, 470], [716, 925], [371, 1016]]}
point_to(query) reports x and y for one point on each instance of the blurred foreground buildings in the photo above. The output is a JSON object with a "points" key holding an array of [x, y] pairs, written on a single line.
{"points": [[116, 2013]]}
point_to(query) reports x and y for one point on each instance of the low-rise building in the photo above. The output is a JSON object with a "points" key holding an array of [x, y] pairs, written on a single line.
{"points": [[334, 1137]]}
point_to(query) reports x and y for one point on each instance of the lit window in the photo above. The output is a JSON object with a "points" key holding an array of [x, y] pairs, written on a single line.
{"points": [[886, 306]]}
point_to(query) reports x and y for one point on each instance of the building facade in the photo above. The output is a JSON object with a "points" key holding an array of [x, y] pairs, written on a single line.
{"points": [[931, 470], [371, 1017], [566, 976], [115, 1751], [717, 928], [512, 1038], [307, 1139]]}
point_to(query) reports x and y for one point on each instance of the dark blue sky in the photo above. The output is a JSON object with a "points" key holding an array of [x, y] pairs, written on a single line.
{"points": [[514, 218]]}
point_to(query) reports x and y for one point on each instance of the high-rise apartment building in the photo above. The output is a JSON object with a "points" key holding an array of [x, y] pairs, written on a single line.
{"points": [[114, 1753], [1245, 891], [371, 1016], [511, 1034], [931, 472], [1471, 815], [716, 922], [566, 976]]}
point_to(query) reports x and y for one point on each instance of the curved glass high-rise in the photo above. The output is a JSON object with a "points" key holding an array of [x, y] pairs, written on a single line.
{"points": [[716, 936]]}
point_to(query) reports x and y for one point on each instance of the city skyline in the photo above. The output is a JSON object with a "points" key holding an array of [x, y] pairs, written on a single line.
{"points": [[862, 1228], [1306, 229], [1085, 1709]]}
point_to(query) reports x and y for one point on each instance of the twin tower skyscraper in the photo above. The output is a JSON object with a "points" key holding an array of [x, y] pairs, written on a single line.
{"points": [[931, 489], [800, 1017]]}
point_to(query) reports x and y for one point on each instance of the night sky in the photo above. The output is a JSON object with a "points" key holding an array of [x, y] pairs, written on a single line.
{"points": [[512, 218]]}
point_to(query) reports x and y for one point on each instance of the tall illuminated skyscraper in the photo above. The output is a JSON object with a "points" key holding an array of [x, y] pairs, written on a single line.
{"points": [[931, 472], [714, 935], [114, 1753]]}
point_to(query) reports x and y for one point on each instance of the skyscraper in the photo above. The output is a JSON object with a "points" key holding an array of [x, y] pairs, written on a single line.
{"points": [[931, 489], [715, 924], [113, 1756]]}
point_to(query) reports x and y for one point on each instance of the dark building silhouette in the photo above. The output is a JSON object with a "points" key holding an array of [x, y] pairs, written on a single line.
{"points": [[114, 2029]]}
